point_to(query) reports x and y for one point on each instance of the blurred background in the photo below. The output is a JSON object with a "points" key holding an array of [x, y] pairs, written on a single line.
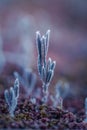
{"points": [[67, 20]]}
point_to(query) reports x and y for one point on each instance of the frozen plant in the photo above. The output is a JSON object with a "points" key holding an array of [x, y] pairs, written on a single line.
{"points": [[28, 80], [2, 56], [57, 101], [85, 110], [61, 91], [62, 88], [11, 97], [45, 68], [37, 93], [33, 100]]}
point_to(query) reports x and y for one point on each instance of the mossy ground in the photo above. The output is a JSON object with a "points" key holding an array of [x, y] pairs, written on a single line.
{"points": [[39, 116]]}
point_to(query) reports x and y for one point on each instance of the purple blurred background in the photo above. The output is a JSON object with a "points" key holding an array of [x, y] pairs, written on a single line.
{"points": [[67, 20]]}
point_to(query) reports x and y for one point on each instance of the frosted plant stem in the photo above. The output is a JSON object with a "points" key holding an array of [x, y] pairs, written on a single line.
{"points": [[45, 93], [11, 113], [45, 68]]}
